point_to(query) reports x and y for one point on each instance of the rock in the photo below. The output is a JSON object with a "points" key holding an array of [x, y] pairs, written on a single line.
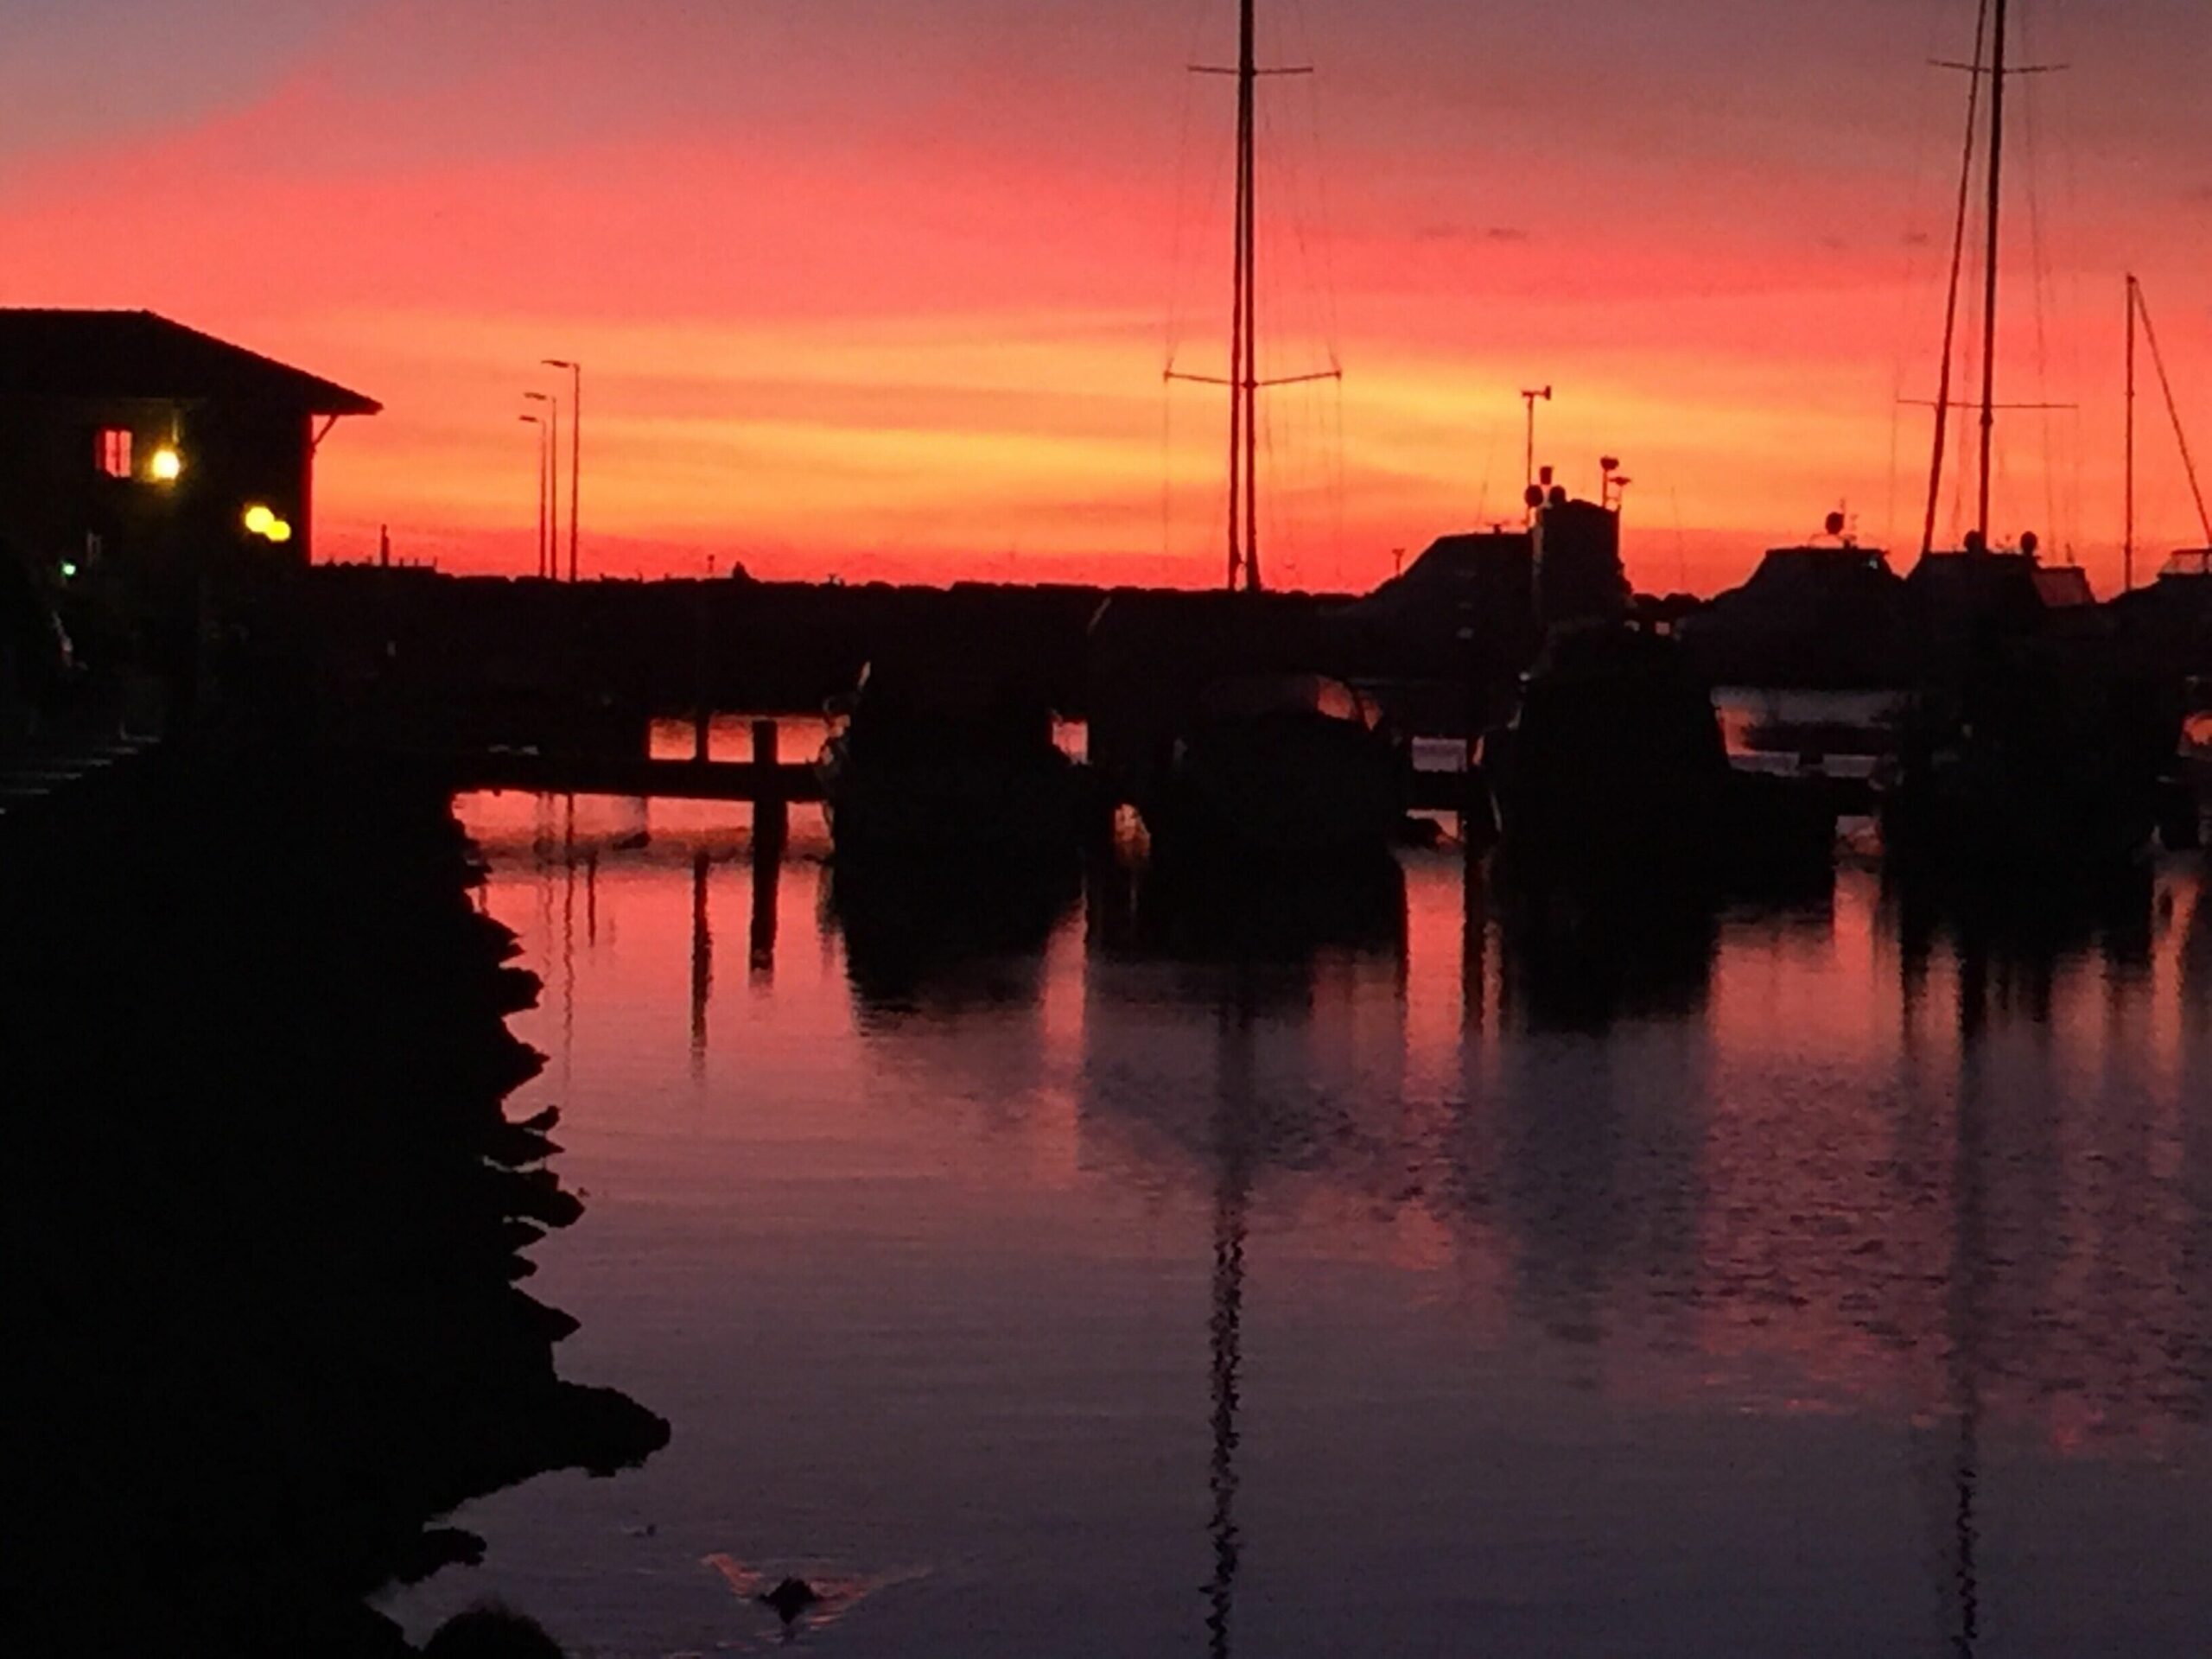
{"points": [[791, 1597]]}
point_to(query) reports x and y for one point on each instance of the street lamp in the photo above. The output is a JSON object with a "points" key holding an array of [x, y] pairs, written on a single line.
{"points": [[576, 444], [532, 420], [553, 481]]}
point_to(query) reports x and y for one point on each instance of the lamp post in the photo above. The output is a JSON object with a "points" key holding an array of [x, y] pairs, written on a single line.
{"points": [[532, 420], [576, 444], [552, 402]]}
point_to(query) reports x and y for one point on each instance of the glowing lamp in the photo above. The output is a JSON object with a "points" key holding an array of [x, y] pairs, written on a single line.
{"points": [[68, 571], [164, 465], [259, 520], [279, 532]]}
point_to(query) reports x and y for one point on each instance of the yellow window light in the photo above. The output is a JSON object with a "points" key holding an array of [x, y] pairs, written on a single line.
{"points": [[259, 520], [279, 532], [165, 466]]}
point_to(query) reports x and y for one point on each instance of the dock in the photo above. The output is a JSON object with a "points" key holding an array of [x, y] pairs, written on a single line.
{"points": [[769, 779]]}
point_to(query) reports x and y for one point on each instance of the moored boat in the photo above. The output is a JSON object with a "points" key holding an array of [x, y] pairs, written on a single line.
{"points": [[939, 762], [1613, 780], [1276, 767]]}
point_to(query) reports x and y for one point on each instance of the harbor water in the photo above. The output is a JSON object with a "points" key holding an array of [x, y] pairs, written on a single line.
{"points": [[1059, 1276]]}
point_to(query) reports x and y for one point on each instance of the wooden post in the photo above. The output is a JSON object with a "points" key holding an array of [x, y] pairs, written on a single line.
{"points": [[701, 710], [771, 816]]}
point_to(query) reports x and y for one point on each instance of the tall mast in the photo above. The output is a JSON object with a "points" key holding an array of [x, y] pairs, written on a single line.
{"points": [[2127, 545], [1989, 275], [1243, 368], [1244, 376]]}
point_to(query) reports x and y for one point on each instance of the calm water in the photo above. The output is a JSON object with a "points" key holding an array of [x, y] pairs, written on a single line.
{"points": [[1088, 1283]]}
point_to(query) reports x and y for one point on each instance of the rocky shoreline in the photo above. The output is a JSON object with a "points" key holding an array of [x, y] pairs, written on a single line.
{"points": [[268, 1216]]}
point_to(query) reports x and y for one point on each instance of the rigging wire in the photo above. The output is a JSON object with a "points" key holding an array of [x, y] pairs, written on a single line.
{"points": [[1186, 253], [1951, 305], [2070, 207], [2040, 271], [1907, 354], [2173, 413]]}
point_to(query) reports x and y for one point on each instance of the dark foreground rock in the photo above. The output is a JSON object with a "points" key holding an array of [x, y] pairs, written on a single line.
{"points": [[262, 1214]]}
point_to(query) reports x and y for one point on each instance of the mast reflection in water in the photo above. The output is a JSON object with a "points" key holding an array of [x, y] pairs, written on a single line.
{"points": [[1823, 1278]]}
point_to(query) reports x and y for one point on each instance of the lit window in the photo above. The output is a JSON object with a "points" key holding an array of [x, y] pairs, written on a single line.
{"points": [[111, 451]]}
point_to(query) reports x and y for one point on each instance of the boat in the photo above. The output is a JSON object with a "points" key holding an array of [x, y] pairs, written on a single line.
{"points": [[1826, 614], [2168, 621], [1612, 782], [932, 760], [1287, 766], [1215, 722], [2035, 739]]}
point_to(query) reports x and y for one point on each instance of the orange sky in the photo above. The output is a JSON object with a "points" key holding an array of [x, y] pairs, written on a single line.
{"points": [[888, 290]]}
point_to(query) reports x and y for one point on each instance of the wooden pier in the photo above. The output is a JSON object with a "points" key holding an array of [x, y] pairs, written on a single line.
{"points": [[768, 779]]}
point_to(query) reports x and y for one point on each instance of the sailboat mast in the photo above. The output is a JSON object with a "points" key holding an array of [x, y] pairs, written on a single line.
{"points": [[1989, 275], [1243, 343], [2127, 544]]}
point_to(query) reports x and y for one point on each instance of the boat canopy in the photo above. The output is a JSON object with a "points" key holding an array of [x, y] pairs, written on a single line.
{"points": [[2189, 565], [1250, 696]]}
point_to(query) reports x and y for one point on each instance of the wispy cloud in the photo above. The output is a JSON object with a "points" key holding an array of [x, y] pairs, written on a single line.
{"points": [[1436, 232]]}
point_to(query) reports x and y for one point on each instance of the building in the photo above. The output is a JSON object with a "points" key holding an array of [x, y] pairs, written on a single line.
{"points": [[123, 433]]}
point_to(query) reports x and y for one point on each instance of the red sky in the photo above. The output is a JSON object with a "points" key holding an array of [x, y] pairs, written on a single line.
{"points": [[888, 289]]}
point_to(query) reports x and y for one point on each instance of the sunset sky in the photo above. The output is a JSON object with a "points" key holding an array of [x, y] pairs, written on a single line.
{"points": [[888, 289]]}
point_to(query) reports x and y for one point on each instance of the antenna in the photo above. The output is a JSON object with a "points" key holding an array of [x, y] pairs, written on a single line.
{"points": [[1528, 476], [1612, 483]]}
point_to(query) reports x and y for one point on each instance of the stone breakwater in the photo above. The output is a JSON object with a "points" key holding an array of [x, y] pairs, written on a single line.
{"points": [[267, 1218]]}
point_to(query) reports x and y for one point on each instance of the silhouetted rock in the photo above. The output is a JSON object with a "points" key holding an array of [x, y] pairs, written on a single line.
{"points": [[791, 1597], [262, 1214], [491, 1633]]}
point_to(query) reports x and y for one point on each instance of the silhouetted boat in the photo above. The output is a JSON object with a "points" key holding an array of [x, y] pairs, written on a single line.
{"points": [[1829, 615], [2037, 739], [1279, 767], [2045, 757], [937, 761], [1613, 780]]}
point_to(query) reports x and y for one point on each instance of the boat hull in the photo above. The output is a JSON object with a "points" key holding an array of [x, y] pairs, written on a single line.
{"points": [[1285, 789]]}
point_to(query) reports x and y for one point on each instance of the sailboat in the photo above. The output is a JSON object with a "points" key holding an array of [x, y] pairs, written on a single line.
{"points": [[2030, 743], [2190, 565], [2168, 622], [1249, 755]]}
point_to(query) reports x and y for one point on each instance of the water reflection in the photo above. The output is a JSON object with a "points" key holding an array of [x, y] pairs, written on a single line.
{"points": [[703, 958], [1573, 967], [921, 934], [1250, 917], [1636, 1236]]}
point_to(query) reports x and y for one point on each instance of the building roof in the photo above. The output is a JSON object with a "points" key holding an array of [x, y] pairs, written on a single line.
{"points": [[103, 354]]}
